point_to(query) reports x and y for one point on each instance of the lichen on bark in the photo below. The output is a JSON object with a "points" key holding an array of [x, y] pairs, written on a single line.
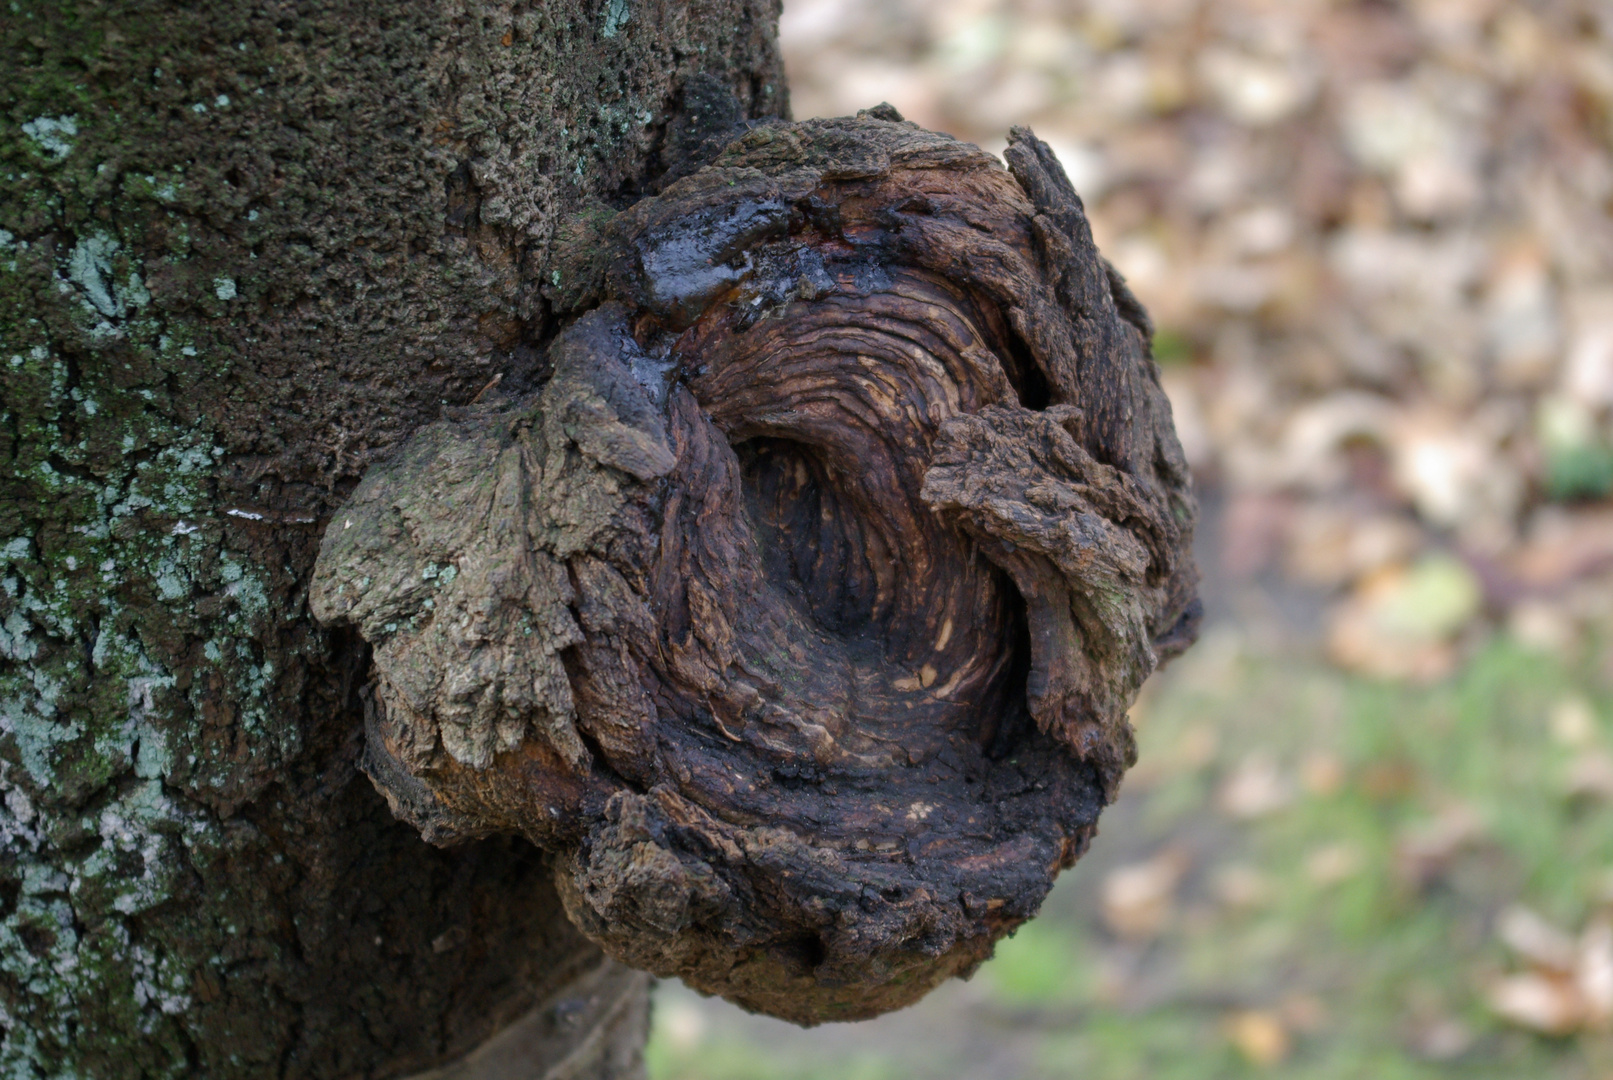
{"points": [[799, 611], [244, 249]]}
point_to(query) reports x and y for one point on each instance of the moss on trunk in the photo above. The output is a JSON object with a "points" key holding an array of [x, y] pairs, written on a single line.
{"points": [[243, 251]]}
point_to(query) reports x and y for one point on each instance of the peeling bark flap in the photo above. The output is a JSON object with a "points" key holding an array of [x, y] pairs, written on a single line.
{"points": [[800, 611]]}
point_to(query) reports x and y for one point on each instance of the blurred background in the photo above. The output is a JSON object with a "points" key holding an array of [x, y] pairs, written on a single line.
{"points": [[1371, 833]]}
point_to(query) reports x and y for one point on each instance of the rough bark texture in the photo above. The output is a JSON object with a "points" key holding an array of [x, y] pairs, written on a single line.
{"points": [[798, 613], [244, 249]]}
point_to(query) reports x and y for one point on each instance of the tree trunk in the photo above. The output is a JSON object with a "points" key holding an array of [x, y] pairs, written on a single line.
{"points": [[244, 251]]}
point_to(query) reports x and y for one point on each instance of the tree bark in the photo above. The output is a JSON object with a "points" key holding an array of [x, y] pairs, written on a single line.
{"points": [[244, 251]]}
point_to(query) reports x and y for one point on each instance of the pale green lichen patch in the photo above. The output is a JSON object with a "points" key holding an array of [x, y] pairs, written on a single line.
{"points": [[617, 13], [90, 268], [53, 134], [171, 281], [109, 537], [106, 284], [65, 937]]}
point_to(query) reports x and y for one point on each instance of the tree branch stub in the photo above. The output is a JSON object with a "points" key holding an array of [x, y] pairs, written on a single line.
{"points": [[799, 612]]}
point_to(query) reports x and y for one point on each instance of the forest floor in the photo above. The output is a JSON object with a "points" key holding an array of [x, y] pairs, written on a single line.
{"points": [[1309, 874]]}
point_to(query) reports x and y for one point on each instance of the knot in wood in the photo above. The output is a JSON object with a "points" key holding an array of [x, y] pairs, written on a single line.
{"points": [[799, 612]]}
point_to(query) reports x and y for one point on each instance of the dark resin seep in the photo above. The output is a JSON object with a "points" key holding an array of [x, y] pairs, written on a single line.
{"points": [[799, 612]]}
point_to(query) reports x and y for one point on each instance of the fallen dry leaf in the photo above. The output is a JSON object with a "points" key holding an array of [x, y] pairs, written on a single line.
{"points": [[1198, 746], [1593, 973], [1333, 863], [1570, 985], [1259, 1036], [1389, 779], [1401, 622], [1255, 789], [1535, 940], [1303, 1013], [1322, 773], [1591, 777], [1548, 1004], [1573, 721], [1564, 545], [1138, 899], [1442, 1039], [1241, 886], [1542, 625]]}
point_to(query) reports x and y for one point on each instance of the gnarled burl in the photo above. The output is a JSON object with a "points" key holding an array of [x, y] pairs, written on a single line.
{"points": [[799, 612]]}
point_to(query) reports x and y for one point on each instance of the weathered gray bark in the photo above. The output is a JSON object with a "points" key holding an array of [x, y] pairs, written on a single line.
{"points": [[244, 250]]}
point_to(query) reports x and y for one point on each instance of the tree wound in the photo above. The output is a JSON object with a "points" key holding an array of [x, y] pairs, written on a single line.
{"points": [[799, 612]]}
